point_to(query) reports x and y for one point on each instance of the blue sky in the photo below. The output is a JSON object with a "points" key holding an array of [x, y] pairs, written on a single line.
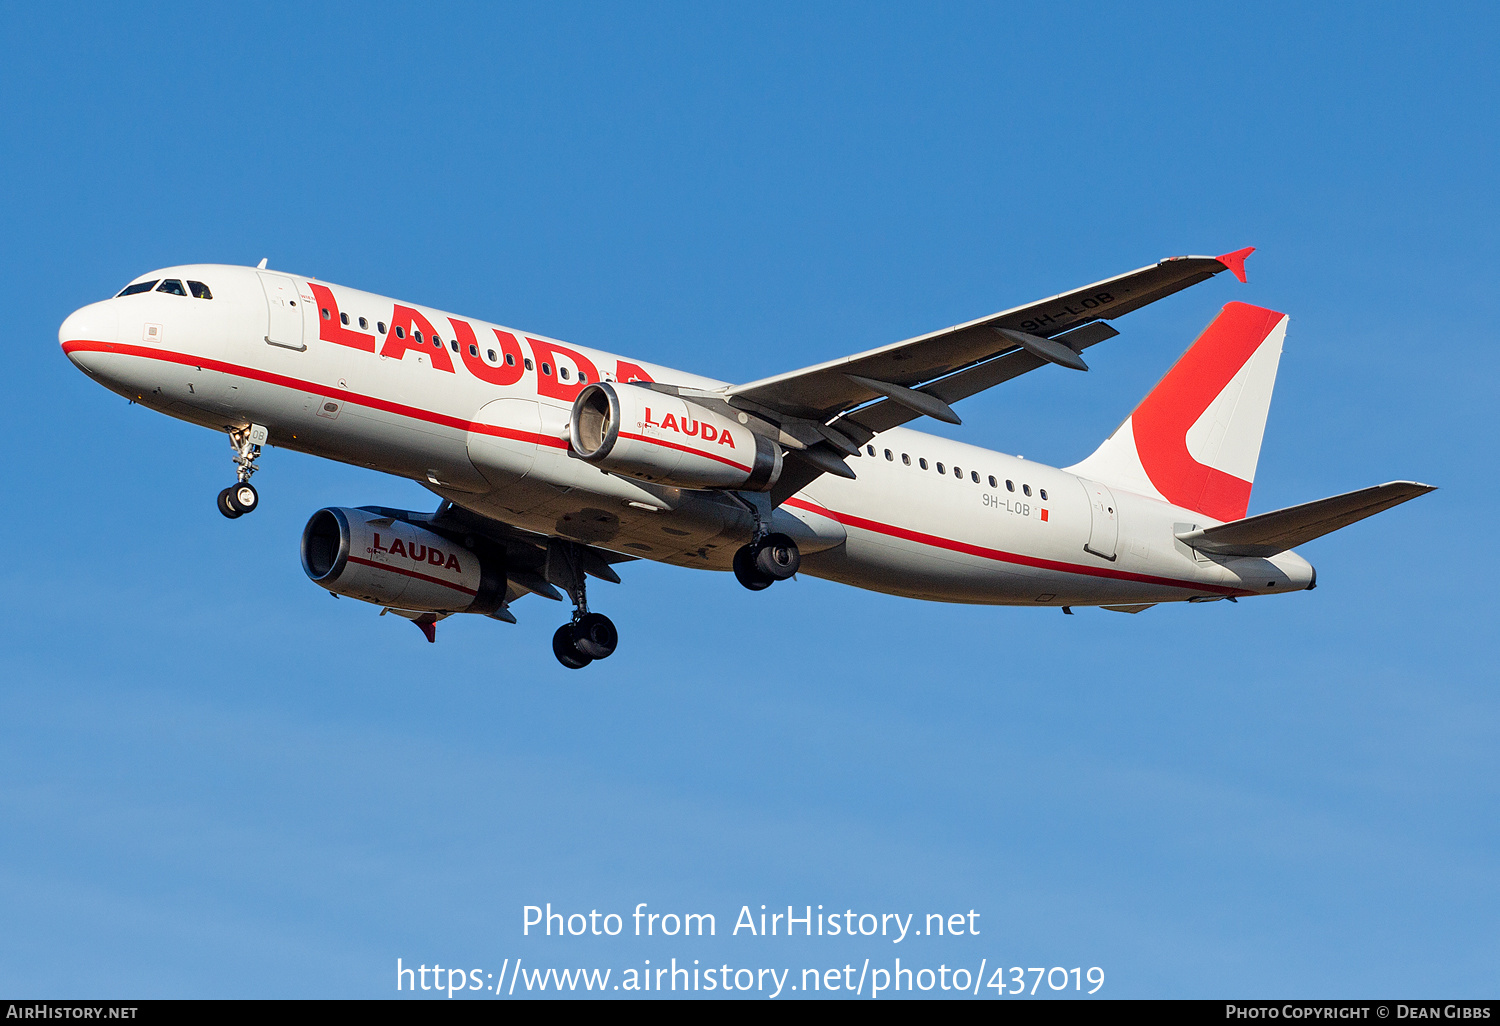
{"points": [[214, 781]]}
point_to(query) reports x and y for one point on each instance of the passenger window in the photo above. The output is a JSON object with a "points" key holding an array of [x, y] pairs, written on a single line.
{"points": [[527, 362], [906, 459], [562, 372], [547, 369], [138, 288], [473, 349], [343, 317], [437, 342], [491, 354], [958, 472], [1026, 489], [870, 449], [582, 377], [993, 482], [326, 315], [417, 335], [888, 455], [1010, 486], [453, 344], [940, 469], [510, 361], [172, 287], [364, 324], [380, 327], [1043, 493], [922, 464], [200, 291], [974, 476]]}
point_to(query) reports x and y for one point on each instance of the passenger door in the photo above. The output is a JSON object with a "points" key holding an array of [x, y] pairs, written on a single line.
{"points": [[284, 317]]}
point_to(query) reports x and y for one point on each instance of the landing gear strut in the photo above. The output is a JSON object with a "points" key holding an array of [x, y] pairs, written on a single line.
{"points": [[588, 636], [241, 497]]}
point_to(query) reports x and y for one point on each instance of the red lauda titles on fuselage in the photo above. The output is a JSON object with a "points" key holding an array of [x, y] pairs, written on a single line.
{"points": [[411, 331], [417, 552], [689, 428]]}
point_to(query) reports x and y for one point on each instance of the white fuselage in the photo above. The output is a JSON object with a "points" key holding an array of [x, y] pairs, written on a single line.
{"points": [[491, 436]]}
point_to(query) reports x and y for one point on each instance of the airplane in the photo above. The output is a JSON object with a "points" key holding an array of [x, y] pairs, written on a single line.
{"points": [[556, 463]]}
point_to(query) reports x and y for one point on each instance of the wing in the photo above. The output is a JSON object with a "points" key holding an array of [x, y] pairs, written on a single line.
{"points": [[830, 409]]}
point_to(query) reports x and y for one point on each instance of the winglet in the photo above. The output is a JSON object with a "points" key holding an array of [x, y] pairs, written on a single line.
{"points": [[1236, 261]]}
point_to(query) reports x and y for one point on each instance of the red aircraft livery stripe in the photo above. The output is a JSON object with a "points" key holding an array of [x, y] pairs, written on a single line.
{"points": [[81, 345], [412, 573], [685, 448], [343, 395], [999, 555]]}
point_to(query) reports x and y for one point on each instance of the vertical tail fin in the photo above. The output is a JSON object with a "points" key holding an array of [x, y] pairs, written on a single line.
{"points": [[1195, 439]]}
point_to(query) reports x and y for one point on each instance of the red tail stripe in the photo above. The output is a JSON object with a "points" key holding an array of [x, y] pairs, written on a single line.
{"points": [[1160, 423]]}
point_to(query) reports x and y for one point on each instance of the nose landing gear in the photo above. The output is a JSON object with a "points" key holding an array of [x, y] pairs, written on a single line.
{"points": [[241, 498]]}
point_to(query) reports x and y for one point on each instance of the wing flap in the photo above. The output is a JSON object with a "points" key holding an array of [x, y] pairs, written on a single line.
{"points": [[1270, 533]]}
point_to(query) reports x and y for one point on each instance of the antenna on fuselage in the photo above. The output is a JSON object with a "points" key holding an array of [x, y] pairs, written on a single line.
{"points": [[262, 264]]}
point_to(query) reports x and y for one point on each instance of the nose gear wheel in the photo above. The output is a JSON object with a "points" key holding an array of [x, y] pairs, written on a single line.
{"points": [[237, 500]]}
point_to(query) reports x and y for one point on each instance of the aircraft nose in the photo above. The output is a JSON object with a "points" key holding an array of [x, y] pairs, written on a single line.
{"points": [[94, 323]]}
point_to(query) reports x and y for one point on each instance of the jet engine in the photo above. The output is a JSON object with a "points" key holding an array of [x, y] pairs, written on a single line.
{"points": [[641, 433], [387, 561]]}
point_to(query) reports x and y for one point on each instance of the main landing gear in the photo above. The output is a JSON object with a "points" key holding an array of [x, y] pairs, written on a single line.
{"points": [[766, 560], [241, 498], [588, 636]]}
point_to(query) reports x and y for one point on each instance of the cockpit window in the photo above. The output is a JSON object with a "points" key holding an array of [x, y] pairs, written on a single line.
{"points": [[137, 288], [199, 290], [173, 286]]}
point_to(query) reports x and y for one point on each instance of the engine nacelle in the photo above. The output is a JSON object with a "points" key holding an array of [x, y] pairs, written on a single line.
{"points": [[638, 432], [390, 562]]}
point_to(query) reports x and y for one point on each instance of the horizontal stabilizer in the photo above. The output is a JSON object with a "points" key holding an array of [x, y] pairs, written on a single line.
{"points": [[1270, 533]]}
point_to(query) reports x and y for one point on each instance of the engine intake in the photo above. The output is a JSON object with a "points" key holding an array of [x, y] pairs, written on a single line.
{"points": [[390, 562], [638, 432]]}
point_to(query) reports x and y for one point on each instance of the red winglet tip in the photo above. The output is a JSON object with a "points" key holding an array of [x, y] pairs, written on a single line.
{"points": [[1236, 261], [428, 627]]}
